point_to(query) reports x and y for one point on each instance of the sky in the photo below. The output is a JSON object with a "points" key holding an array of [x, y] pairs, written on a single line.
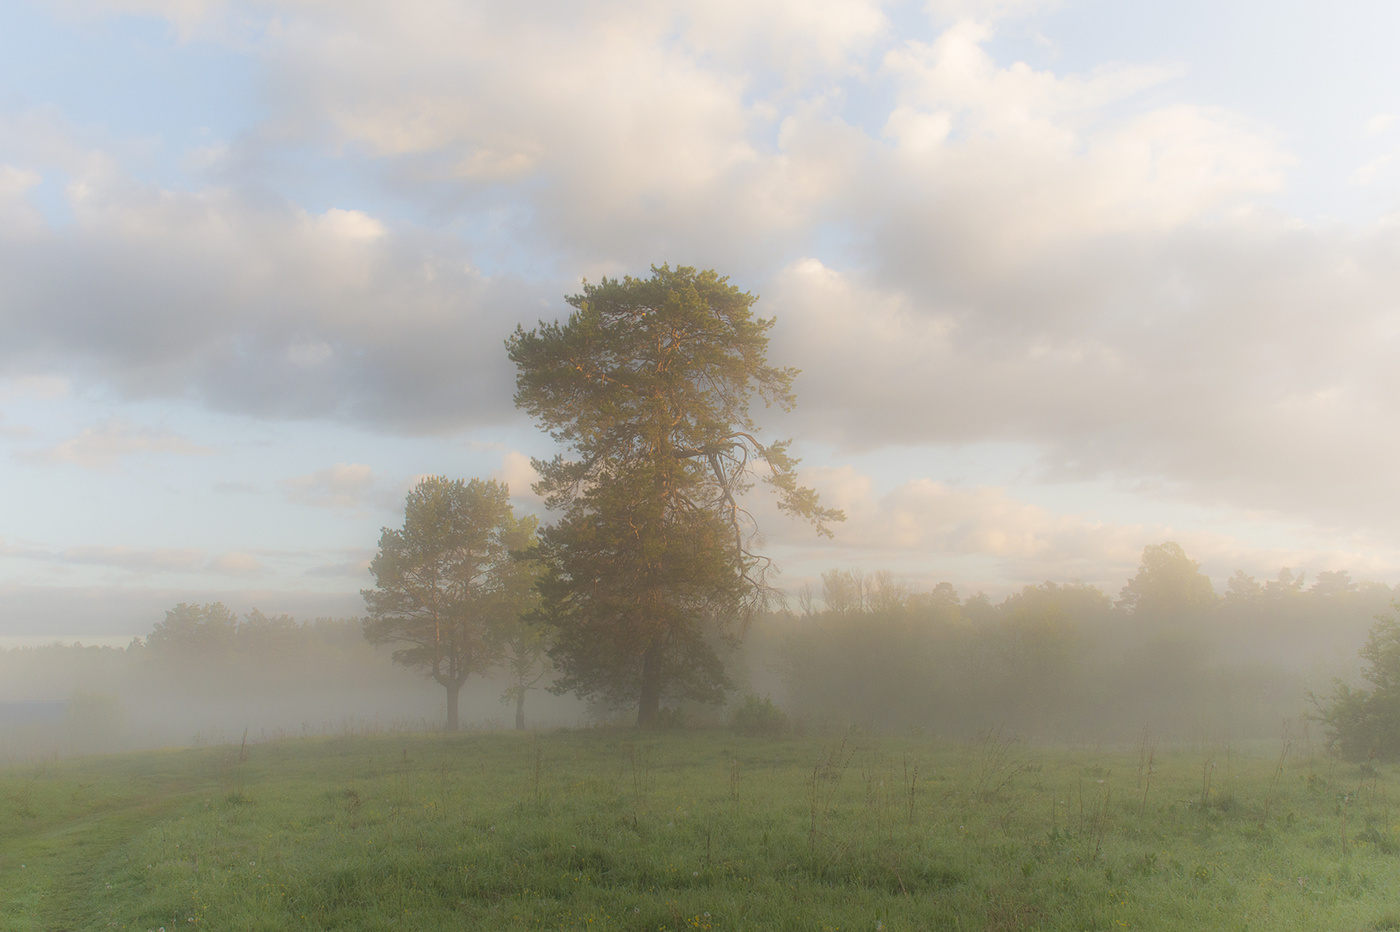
{"points": [[1063, 279]]}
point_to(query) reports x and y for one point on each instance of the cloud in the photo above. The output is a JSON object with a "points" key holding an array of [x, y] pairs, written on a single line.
{"points": [[14, 430], [1175, 363], [997, 172], [345, 569], [519, 474], [14, 182], [803, 40], [1376, 168], [987, 10], [236, 563], [138, 560], [15, 209], [262, 309], [145, 561], [613, 135], [957, 249], [102, 447], [934, 521], [37, 386], [605, 135], [985, 536], [1380, 123], [342, 486]]}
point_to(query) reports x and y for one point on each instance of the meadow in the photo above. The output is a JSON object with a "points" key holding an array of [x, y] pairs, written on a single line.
{"points": [[703, 829]]}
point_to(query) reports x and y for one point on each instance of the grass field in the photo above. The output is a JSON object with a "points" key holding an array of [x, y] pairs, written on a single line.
{"points": [[698, 830]]}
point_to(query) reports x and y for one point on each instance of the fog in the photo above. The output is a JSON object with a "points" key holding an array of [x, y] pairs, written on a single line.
{"points": [[1165, 657], [266, 678], [1066, 662]]}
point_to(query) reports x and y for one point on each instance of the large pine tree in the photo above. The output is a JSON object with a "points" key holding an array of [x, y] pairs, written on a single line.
{"points": [[648, 386]]}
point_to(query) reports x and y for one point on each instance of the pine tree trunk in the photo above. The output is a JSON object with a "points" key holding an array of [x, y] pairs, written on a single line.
{"points": [[520, 711], [454, 689], [649, 704]]}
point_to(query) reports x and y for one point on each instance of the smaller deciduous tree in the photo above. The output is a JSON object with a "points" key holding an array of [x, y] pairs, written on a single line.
{"points": [[526, 645], [447, 586], [1362, 723], [843, 591]]}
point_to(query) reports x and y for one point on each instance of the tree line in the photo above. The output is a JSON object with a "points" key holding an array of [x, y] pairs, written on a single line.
{"points": [[206, 673], [1069, 661]]}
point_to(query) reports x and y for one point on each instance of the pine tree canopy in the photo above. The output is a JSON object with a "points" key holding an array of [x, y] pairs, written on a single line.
{"points": [[648, 386]]}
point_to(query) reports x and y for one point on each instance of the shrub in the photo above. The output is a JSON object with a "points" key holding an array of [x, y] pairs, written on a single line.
{"points": [[1365, 723], [760, 716]]}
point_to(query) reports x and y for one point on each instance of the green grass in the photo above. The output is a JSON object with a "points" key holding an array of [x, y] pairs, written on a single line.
{"points": [[696, 830]]}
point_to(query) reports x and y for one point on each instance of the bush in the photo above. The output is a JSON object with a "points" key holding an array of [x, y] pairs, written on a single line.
{"points": [[759, 716], [1365, 723]]}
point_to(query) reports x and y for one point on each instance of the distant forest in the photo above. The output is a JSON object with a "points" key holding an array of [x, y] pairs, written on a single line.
{"points": [[203, 676], [1068, 663], [1168, 657]]}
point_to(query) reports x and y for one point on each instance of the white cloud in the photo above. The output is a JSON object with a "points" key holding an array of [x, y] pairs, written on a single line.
{"points": [[987, 10], [958, 249], [104, 446], [16, 211], [518, 473], [259, 308], [1380, 123], [14, 430], [351, 225], [136, 559], [357, 569], [801, 39], [986, 537], [36, 386], [14, 181], [936, 520], [954, 71], [236, 563], [1007, 165], [1202, 360], [144, 561], [342, 486], [1377, 168]]}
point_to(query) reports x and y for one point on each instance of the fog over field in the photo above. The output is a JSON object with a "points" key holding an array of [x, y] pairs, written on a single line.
{"points": [[1064, 280], [1052, 663]]}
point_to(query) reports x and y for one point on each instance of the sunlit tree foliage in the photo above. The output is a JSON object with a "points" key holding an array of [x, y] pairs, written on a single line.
{"points": [[652, 563]]}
